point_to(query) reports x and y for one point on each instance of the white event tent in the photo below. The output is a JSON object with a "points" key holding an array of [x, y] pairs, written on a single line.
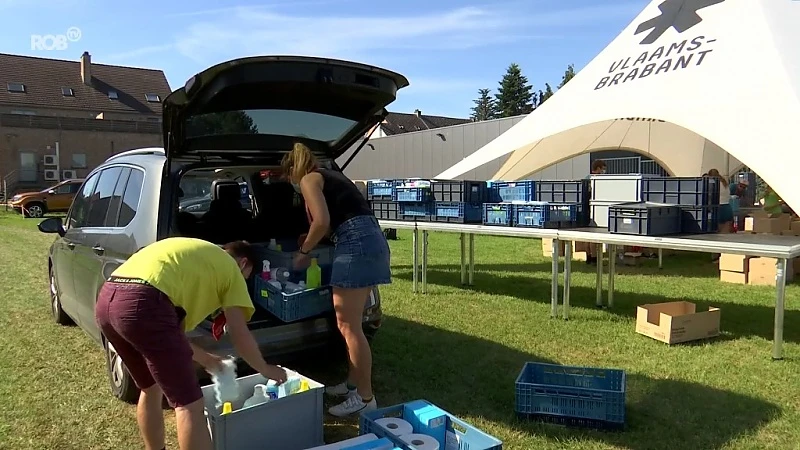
{"points": [[685, 80]]}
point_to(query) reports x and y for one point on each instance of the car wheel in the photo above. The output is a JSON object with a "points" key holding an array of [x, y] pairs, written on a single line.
{"points": [[122, 385], [34, 210], [59, 315]]}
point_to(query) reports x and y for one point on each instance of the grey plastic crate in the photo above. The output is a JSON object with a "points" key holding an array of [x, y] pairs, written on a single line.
{"points": [[294, 422], [645, 219], [617, 188]]}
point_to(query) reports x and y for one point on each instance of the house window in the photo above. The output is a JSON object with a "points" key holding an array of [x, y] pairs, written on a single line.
{"points": [[16, 87], [79, 160], [153, 98], [112, 95], [67, 92]]}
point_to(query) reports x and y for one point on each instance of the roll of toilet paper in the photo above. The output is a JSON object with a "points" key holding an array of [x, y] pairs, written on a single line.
{"points": [[395, 426], [420, 441]]}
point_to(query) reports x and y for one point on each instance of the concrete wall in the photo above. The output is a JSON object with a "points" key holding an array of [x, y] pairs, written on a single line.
{"points": [[430, 152]]}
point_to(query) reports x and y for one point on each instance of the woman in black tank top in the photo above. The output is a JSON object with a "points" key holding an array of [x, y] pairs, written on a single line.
{"points": [[335, 206]]}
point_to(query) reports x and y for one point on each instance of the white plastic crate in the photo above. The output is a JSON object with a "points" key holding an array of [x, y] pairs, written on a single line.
{"points": [[617, 188], [294, 422]]}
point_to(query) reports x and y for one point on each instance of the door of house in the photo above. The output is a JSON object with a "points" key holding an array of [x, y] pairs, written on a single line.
{"points": [[27, 167]]}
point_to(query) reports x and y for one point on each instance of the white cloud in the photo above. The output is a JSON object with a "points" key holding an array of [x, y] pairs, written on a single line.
{"points": [[225, 33]]}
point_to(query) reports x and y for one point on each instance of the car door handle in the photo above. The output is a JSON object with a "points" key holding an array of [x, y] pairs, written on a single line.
{"points": [[71, 245], [98, 250]]}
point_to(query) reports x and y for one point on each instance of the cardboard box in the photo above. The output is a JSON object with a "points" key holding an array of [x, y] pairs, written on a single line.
{"points": [[733, 277], [763, 271], [547, 248], [734, 263], [677, 322], [771, 225]]}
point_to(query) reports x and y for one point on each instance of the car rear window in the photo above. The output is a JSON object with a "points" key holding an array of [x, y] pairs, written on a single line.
{"points": [[281, 122]]}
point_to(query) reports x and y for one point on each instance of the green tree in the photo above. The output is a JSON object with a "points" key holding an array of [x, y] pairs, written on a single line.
{"points": [[484, 108], [543, 96], [568, 75], [515, 95], [226, 122]]}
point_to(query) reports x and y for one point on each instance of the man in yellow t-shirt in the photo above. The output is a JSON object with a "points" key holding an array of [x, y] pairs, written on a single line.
{"points": [[145, 308]]}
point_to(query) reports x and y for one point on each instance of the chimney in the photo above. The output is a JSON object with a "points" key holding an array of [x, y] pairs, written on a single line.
{"points": [[417, 112], [86, 68]]}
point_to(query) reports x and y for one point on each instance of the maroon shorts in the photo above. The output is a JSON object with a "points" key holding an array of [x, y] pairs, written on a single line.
{"points": [[143, 326]]}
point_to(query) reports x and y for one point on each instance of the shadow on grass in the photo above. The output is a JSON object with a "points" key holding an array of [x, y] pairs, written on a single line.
{"points": [[739, 320], [470, 376]]}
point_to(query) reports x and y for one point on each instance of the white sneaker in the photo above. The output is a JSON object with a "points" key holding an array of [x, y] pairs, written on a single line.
{"points": [[340, 390], [353, 405]]}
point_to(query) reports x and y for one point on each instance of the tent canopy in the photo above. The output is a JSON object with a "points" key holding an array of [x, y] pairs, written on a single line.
{"points": [[701, 76]]}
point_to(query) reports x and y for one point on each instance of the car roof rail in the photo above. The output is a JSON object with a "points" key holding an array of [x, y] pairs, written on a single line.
{"points": [[138, 151]]}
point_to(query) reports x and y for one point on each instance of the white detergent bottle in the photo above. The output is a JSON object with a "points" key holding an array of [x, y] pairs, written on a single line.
{"points": [[226, 388], [259, 396], [266, 275], [273, 244]]}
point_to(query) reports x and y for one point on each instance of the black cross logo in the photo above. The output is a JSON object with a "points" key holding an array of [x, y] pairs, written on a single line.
{"points": [[678, 14]]}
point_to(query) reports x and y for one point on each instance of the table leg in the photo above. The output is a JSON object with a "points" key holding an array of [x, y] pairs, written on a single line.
{"points": [[612, 265], [463, 258], [780, 282], [599, 281], [415, 258], [661, 258], [567, 276], [554, 284], [424, 261], [471, 259]]}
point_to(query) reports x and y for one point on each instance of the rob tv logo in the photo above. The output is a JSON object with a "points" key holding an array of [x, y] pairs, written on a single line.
{"points": [[48, 42]]}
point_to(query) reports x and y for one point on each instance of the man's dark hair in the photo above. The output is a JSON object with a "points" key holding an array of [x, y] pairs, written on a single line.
{"points": [[598, 164], [242, 249]]}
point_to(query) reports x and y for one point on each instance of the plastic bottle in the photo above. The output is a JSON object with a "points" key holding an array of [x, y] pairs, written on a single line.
{"points": [[280, 274], [226, 388], [259, 396], [273, 244], [291, 288], [265, 272], [279, 248], [313, 275]]}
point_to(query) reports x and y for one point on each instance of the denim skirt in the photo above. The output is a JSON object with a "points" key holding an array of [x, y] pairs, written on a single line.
{"points": [[360, 254]]}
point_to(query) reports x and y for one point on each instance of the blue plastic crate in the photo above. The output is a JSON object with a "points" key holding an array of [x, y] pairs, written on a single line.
{"points": [[470, 438], [699, 219], [545, 215], [413, 194], [381, 189], [689, 191], [415, 211], [515, 191], [296, 306], [459, 191], [499, 214], [458, 212], [573, 396]]}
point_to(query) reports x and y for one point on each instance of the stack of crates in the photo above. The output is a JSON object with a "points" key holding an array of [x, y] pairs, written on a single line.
{"points": [[414, 200], [697, 197], [501, 197], [458, 201], [573, 192], [380, 194]]}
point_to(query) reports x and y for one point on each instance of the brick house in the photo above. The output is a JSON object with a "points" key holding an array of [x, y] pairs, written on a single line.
{"points": [[59, 119]]}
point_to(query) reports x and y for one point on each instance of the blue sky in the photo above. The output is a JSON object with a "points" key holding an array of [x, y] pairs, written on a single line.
{"points": [[447, 48]]}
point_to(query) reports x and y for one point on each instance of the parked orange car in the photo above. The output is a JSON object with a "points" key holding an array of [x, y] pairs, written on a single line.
{"points": [[53, 199]]}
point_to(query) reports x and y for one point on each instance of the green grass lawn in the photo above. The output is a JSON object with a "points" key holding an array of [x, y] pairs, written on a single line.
{"points": [[458, 347]]}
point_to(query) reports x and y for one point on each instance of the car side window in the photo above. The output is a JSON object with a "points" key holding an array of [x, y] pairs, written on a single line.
{"points": [[116, 198], [66, 189], [102, 197], [80, 205], [74, 188], [130, 200]]}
